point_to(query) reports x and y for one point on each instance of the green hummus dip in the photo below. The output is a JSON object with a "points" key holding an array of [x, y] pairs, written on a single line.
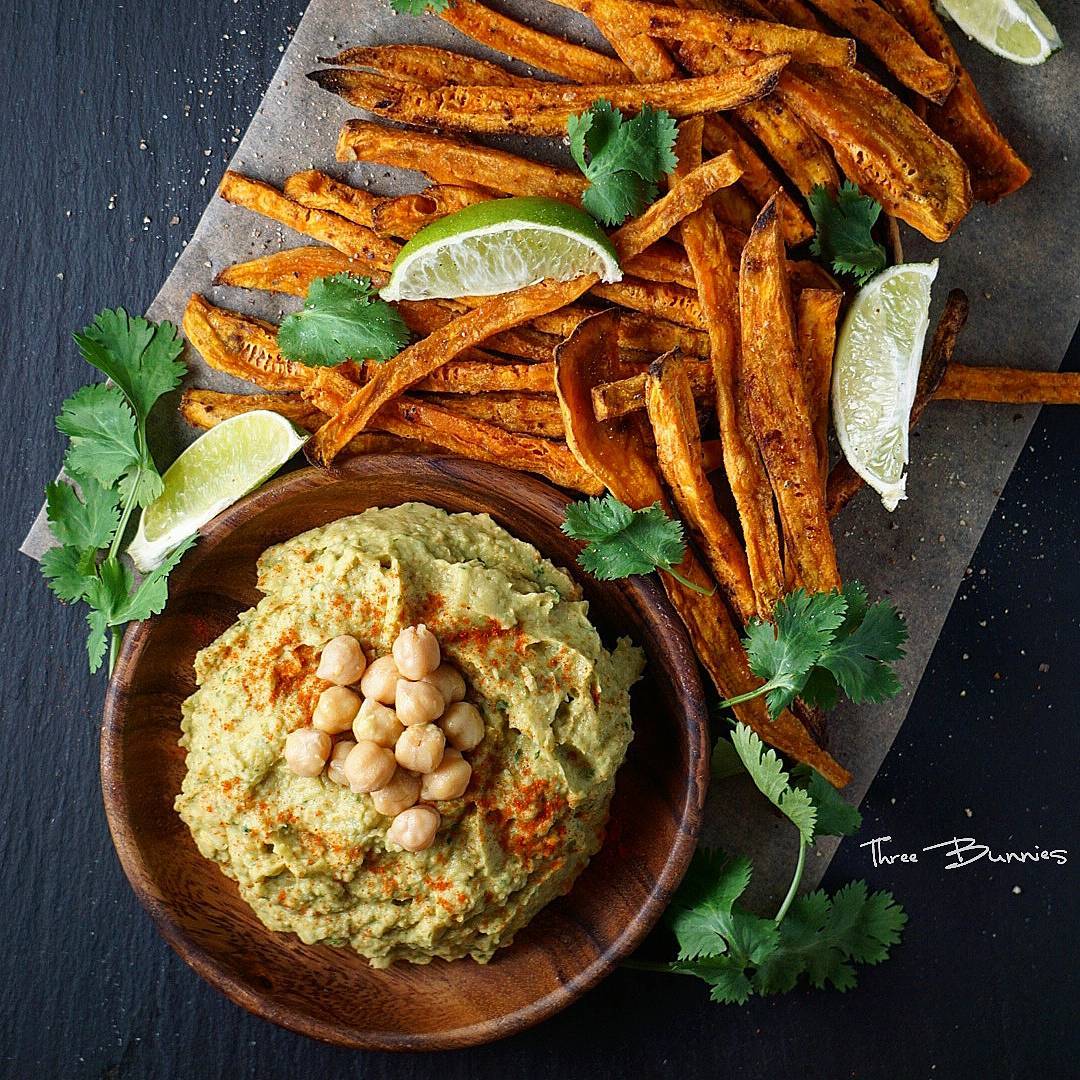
{"points": [[310, 856]]}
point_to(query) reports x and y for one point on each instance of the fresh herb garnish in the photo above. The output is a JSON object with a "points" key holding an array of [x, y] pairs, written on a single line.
{"points": [[843, 235], [342, 319], [822, 643], [109, 458], [622, 542], [738, 953], [418, 7], [626, 158]]}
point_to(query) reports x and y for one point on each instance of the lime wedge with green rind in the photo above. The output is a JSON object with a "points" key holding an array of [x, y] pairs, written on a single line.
{"points": [[1015, 29]]}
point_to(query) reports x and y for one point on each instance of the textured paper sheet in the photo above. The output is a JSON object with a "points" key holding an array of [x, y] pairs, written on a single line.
{"points": [[1018, 262]]}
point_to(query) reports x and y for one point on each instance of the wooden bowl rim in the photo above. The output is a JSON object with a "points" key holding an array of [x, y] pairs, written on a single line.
{"points": [[652, 604]]}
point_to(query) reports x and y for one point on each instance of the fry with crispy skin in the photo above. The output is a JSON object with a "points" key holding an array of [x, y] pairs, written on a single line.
{"points": [[655, 298], [891, 43], [844, 482], [777, 405], [472, 377], [447, 160], [425, 65], [653, 336], [816, 314], [540, 50], [404, 216], [670, 402], [613, 399], [321, 192], [525, 414], [290, 271], [542, 108], [996, 168], [615, 454], [1009, 386]]}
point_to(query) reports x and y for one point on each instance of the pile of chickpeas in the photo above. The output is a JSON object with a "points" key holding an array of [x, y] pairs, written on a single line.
{"points": [[410, 724]]}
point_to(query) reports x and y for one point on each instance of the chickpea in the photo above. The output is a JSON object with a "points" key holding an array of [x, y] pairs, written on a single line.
{"points": [[335, 770], [449, 780], [377, 723], [306, 751], [414, 829], [416, 652], [401, 793], [342, 661], [380, 680], [335, 710], [369, 767], [448, 681], [420, 748], [418, 703], [463, 725]]}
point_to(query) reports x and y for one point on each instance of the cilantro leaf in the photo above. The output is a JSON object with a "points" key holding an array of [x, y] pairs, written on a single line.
{"points": [[68, 570], [97, 641], [85, 523], [622, 542], [153, 591], [834, 816], [104, 441], [623, 160], [418, 7], [342, 320], [700, 911], [725, 976], [140, 357], [843, 236], [767, 771]]}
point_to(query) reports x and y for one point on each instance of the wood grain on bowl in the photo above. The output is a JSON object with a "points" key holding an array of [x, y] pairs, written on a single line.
{"points": [[331, 993]]}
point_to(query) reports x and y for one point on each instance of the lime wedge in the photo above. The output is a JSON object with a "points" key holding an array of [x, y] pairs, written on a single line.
{"points": [[875, 371], [218, 468], [1015, 29], [499, 246]]}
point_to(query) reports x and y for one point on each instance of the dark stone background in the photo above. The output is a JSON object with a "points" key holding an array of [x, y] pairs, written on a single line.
{"points": [[118, 120]]}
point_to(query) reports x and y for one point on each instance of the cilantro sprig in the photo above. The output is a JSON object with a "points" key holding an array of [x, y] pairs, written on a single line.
{"points": [[623, 160], [843, 236], [738, 953], [342, 319], [821, 644], [418, 7], [110, 474], [622, 542]]}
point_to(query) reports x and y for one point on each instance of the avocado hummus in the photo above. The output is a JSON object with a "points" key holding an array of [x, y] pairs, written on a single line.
{"points": [[311, 856]]}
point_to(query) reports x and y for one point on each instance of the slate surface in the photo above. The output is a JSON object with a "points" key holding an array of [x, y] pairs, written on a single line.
{"points": [[983, 984]]}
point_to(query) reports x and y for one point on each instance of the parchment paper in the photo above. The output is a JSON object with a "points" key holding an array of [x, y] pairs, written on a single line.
{"points": [[1018, 262]]}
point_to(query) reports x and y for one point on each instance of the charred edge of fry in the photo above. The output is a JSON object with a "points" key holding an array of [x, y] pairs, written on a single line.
{"points": [[614, 399], [425, 65], [844, 482]]}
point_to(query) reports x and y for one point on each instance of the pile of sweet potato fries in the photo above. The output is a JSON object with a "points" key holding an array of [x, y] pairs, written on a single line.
{"points": [[714, 326]]}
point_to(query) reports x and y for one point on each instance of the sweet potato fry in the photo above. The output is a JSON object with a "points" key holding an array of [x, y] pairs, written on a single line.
{"points": [[881, 145], [472, 377], [637, 332], [523, 414], [655, 298], [777, 405], [613, 399], [321, 192], [844, 482], [662, 262], [730, 31], [1009, 386], [425, 65], [792, 12], [670, 402], [996, 168], [816, 311], [360, 243], [542, 108], [291, 271], [747, 478], [447, 160], [533, 47], [403, 217], [614, 452], [891, 43]]}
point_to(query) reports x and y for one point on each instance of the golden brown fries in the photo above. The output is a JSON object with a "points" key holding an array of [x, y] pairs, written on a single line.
{"points": [[542, 108], [447, 160], [891, 43], [321, 192], [291, 271], [670, 403], [470, 377], [540, 50], [357, 241], [816, 312], [525, 414], [403, 217], [651, 336], [634, 17], [777, 405], [1009, 386], [425, 65], [662, 262], [882, 146], [962, 120], [614, 452], [747, 478], [613, 399], [656, 299], [844, 482]]}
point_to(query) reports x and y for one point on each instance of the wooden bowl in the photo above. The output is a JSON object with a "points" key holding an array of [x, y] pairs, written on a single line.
{"points": [[331, 993]]}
